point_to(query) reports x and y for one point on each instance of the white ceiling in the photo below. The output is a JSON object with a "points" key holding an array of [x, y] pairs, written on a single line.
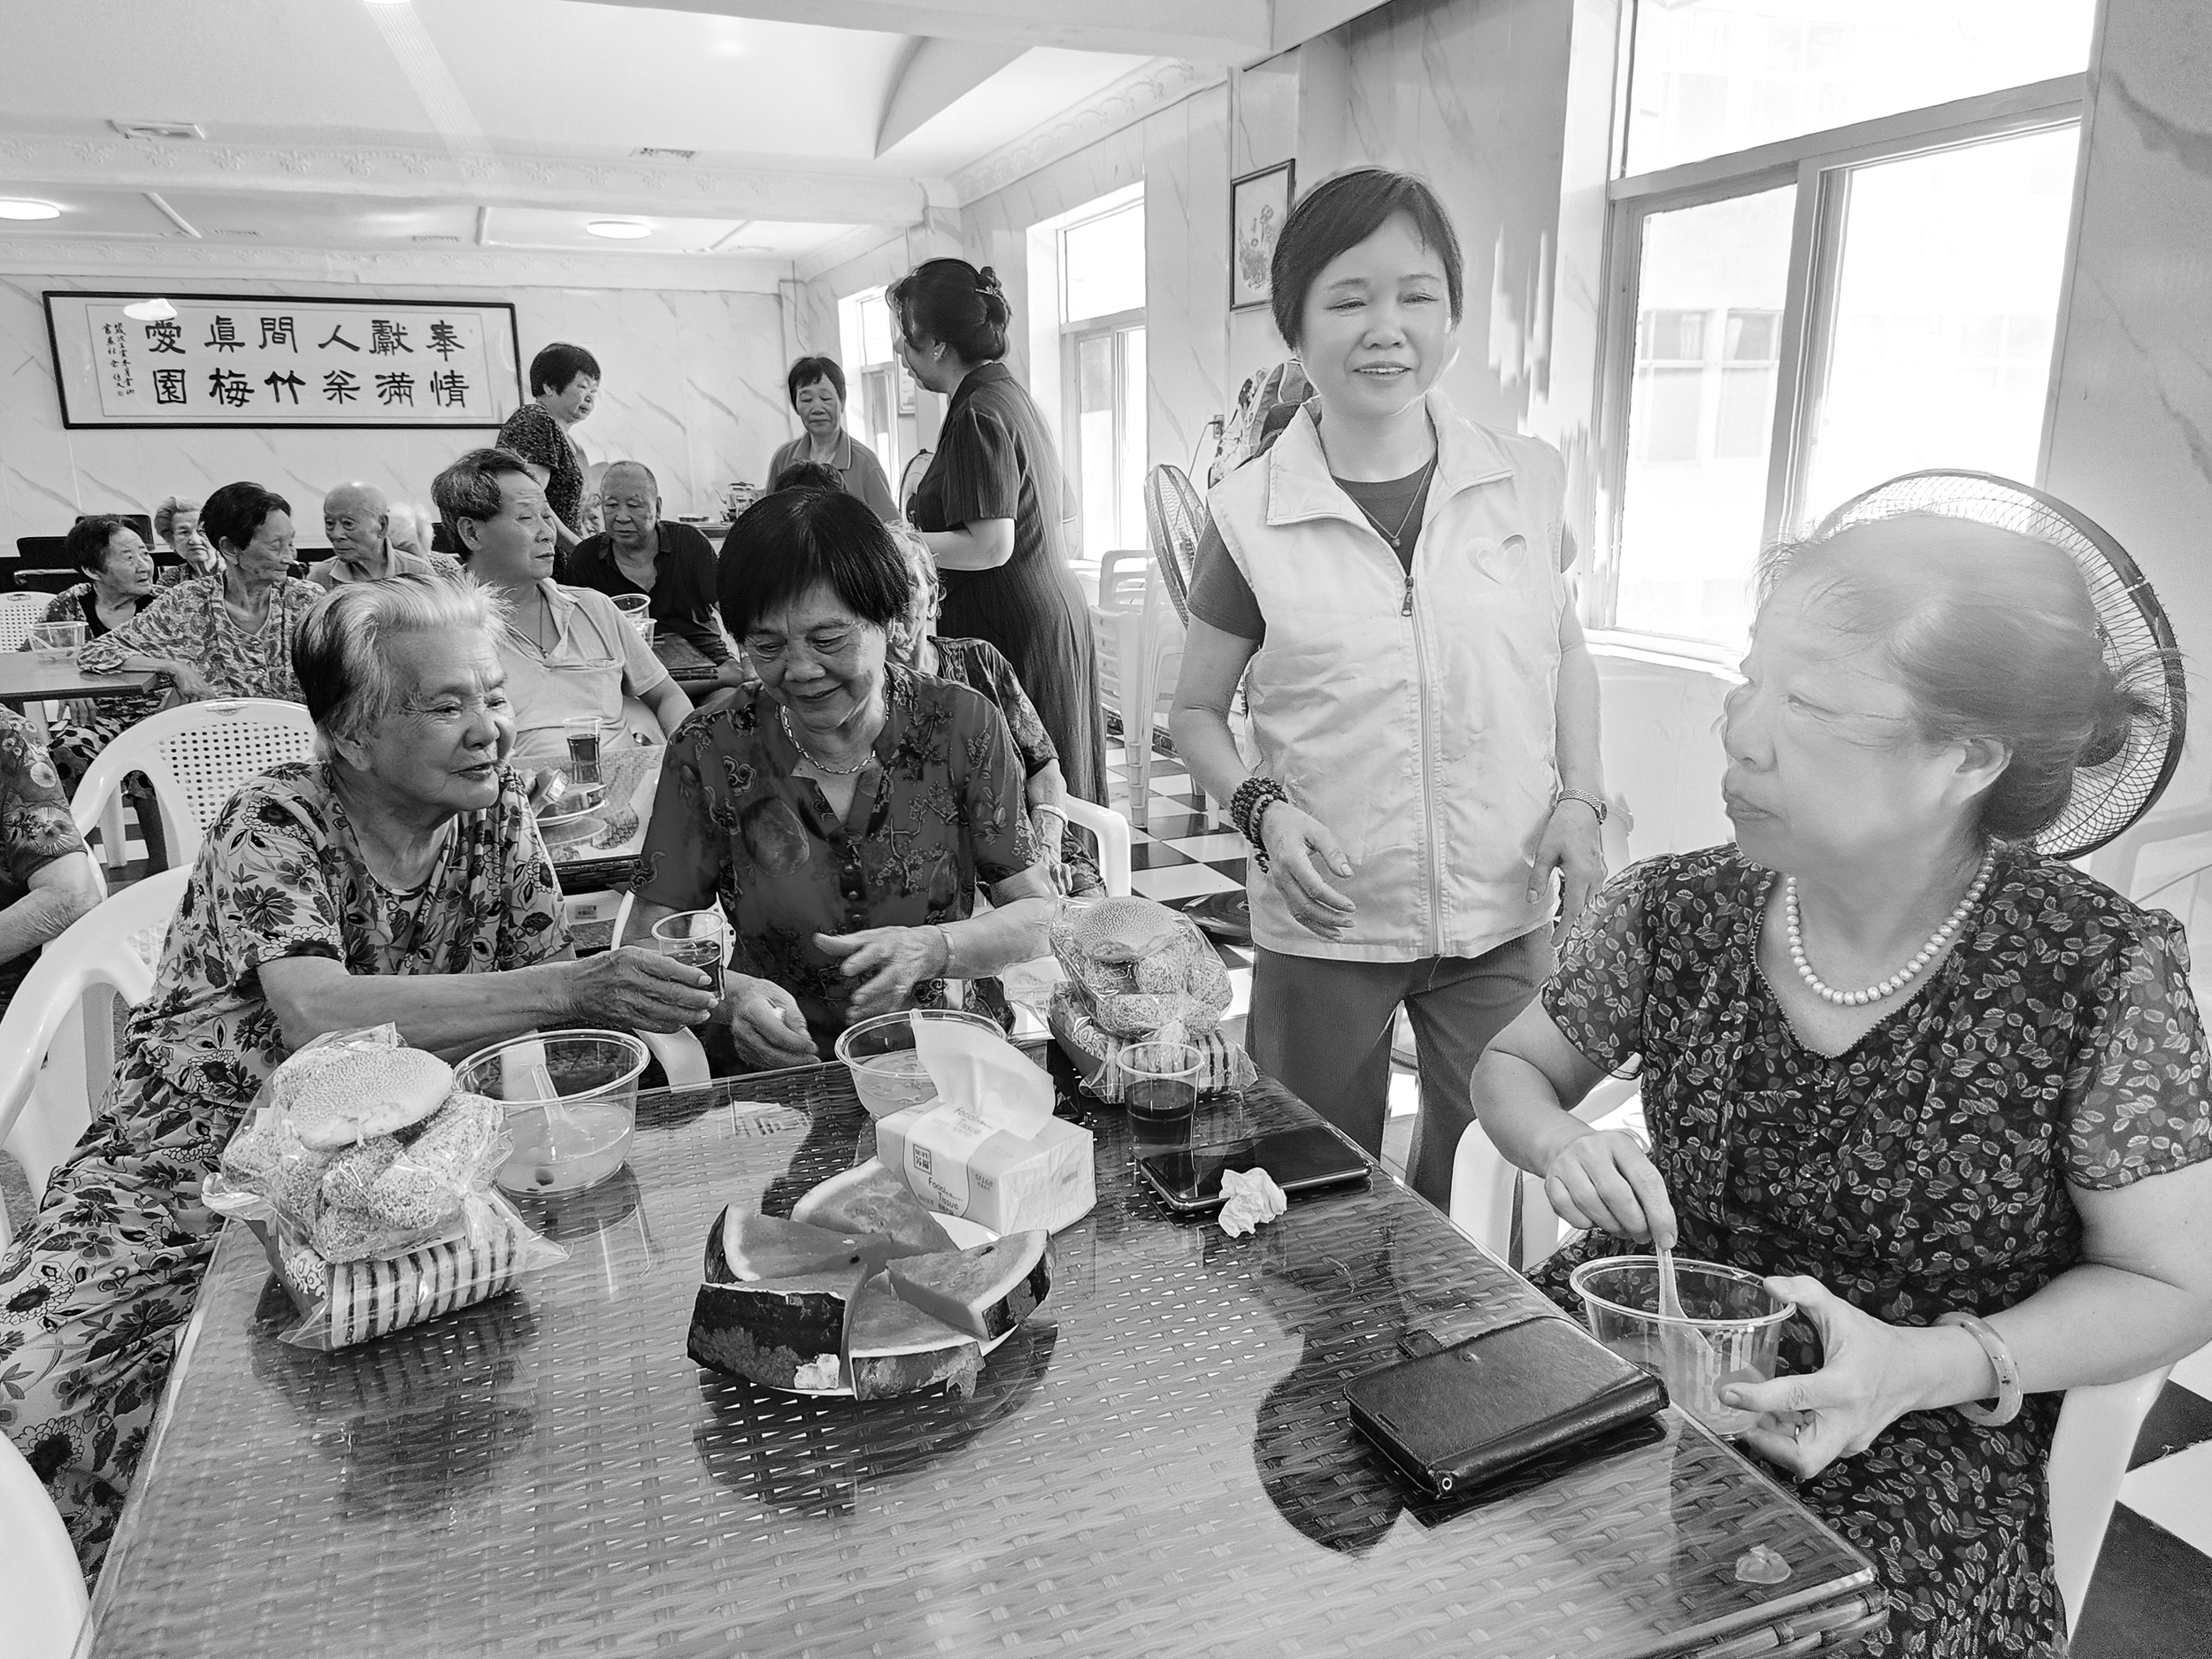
{"points": [[517, 87]]}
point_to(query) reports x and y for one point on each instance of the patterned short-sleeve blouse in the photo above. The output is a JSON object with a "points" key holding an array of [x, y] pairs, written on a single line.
{"points": [[940, 811], [189, 623], [95, 1291], [1924, 1169]]}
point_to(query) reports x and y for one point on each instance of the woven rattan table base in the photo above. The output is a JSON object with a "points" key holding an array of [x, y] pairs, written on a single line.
{"points": [[1158, 1464]]}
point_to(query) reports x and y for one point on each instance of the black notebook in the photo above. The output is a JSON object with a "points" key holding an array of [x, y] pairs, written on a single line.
{"points": [[1461, 1417]]}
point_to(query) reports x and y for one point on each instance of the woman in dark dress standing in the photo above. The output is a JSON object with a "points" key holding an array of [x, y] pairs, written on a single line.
{"points": [[992, 505]]}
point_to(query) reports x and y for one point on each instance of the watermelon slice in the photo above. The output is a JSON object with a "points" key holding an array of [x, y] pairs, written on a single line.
{"points": [[871, 1199], [896, 1349], [771, 1329], [985, 1291], [742, 1249]]}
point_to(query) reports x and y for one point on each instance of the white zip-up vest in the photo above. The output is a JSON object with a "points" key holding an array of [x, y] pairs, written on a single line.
{"points": [[1414, 717]]}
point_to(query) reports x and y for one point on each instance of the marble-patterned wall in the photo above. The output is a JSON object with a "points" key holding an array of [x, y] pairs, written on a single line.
{"points": [[693, 387], [2130, 440], [1474, 98]]}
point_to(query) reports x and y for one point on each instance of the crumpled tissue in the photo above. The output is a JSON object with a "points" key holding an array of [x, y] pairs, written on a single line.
{"points": [[1252, 1198]]}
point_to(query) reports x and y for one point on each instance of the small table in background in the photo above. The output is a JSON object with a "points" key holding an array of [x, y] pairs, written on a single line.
{"points": [[28, 680]]}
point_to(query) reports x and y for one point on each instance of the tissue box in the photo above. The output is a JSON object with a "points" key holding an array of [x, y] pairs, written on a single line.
{"points": [[1009, 1182]]}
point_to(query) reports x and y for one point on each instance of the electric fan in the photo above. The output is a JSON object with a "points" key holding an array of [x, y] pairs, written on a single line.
{"points": [[2139, 642], [1175, 517]]}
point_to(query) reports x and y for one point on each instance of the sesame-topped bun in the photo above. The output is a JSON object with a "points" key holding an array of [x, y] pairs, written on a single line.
{"points": [[371, 1092]]}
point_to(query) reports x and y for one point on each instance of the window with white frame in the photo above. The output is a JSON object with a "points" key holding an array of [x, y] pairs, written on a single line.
{"points": [[1102, 367], [872, 372], [1836, 250]]}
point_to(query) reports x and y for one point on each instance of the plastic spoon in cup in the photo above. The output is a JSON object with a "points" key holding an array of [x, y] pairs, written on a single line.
{"points": [[1683, 1350]]}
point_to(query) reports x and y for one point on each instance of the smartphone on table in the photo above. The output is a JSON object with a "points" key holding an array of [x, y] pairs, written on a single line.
{"points": [[1316, 1157]]}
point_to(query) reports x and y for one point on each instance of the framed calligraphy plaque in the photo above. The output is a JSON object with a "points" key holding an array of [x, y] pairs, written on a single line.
{"points": [[263, 360]]}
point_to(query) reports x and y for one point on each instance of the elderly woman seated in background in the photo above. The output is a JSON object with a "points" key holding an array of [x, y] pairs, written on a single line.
{"points": [[177, 523], [816, 386], [977, 665], [119, 583], [228, 635], [398, 878], [2011, 1126], [844, 811], [46, 876], [567, 651]]}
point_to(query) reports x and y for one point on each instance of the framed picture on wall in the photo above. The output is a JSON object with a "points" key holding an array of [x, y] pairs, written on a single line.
{"points": [[1258, 205]]}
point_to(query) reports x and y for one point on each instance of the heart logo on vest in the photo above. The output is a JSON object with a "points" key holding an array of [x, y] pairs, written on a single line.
{"points": [[1498, 559]]}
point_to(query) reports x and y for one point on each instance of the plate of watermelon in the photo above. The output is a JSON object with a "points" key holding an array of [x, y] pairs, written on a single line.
{"points": [[864, 1293]]}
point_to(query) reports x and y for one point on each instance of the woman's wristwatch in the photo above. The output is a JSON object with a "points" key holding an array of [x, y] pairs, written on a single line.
{"points": [[1595, 803]]}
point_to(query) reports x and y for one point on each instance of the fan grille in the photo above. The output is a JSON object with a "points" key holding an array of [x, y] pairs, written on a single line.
{"points": [[2138, 642], [1176, 518]]}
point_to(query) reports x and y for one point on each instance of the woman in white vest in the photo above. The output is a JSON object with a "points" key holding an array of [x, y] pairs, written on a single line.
{"points": [[1426, 711]]}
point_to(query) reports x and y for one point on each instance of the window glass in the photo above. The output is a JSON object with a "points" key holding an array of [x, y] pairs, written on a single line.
{"points": [[1701, 413], [1939, 345], [1103, 265], [1714, 76]]}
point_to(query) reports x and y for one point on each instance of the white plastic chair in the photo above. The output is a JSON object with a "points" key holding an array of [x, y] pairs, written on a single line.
{"points": [[1111, 832], [195, 757], [58, 1033], [18, 615], [1140, 658], [41, 1587], [1483, 1185]]}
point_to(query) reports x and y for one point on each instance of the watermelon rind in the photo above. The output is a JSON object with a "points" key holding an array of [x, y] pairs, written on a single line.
{"points": [[899, 1349], [769, 1329], [869, 1198], [985, 1291]]}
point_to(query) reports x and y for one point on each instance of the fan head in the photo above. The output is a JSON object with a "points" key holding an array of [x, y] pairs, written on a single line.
{"points": [[1175, 519], [2138, 642]]}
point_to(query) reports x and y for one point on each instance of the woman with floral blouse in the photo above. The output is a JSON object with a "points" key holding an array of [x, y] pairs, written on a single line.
{"points": [[844, 811], [396, 876], [226, 635], [1949, 1094]]}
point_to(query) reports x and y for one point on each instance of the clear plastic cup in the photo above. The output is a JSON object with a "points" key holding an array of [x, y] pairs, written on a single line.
{"points": [[887, 1069], [56, 642], [589, 738], [1731, 1331], [700, 938], [1160, 1080], [572, 1104]]}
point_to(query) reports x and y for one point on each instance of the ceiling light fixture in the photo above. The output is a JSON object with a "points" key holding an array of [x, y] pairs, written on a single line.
{"points": [[618, 229], [155, 311], [12, 208]]}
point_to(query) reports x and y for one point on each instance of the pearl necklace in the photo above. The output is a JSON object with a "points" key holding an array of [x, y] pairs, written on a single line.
{"points": [[835, 772], [1905, 975]]}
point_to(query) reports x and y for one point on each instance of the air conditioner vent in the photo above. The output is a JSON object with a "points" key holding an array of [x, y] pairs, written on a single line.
{"points": [[158, 129], [653, 152]]}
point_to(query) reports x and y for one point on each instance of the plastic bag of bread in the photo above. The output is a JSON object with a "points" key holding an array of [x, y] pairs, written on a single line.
{"points": [[1140, 971], [1096, 1051], [367, 1177]]}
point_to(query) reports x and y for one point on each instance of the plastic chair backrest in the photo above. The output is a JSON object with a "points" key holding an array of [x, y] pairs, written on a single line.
{"points": [[18, 615], [59, 1033], [41, 1587], [1123, 574], [195, 757], [2096, 1433], [1111, 831], [1485, 1187]]}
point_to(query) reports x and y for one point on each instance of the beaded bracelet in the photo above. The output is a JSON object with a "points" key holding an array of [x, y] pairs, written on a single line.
{"points": [[1248, 807], [2001, 1361]]}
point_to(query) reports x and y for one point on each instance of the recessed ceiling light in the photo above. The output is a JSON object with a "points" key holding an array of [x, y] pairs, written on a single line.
{"points": [[618, 229], [11, 208], [157, 311]]}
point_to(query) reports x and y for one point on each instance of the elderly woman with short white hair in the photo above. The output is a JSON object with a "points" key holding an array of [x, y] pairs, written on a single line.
{"points": [[396, 876]]}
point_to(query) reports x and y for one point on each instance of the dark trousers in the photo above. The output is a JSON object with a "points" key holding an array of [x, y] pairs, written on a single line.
{"points": [[1322, 1028]]}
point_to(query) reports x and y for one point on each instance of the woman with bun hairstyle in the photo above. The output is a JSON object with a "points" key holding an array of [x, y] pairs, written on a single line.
{"points": [[1947, 1093], [1426, 714], [396, 876], [992, 506]]}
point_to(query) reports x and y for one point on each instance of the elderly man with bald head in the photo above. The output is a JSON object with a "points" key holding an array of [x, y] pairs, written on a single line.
{"points": [[357, 519], [639, 552]]}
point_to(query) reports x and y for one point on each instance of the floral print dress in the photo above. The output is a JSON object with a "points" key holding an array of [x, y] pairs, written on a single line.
{"points": [[937, 811], [1924, 1169], [189, 623], [95, 1293], [35, 827], [93, 724]]}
